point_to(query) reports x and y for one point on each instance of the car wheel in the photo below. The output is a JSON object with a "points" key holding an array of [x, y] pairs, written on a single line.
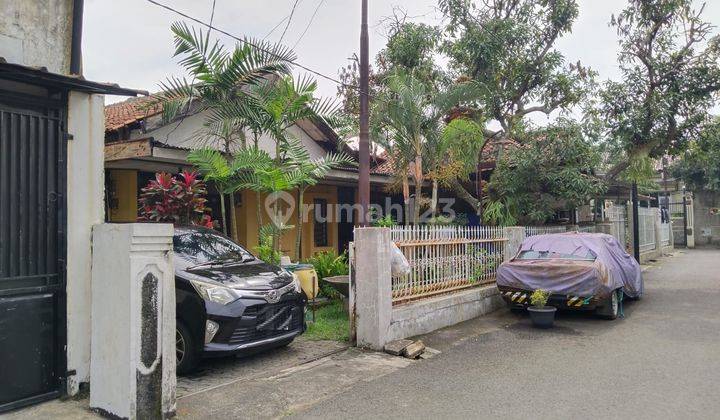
{"points": [[186, 352], [611, 307]]}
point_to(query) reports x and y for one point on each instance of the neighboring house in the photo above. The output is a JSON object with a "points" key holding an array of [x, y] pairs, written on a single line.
{"points": [[51, 195], [138, 145]]}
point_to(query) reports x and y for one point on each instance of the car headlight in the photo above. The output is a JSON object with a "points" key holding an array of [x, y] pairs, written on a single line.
{"points": [[215, 293], [296, 283]]}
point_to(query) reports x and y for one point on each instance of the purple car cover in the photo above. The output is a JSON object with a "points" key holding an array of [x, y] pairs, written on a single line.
{"points": [[610, 269]]}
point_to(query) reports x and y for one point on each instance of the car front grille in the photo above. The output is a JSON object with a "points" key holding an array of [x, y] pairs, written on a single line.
{"points": [[267, 321]]}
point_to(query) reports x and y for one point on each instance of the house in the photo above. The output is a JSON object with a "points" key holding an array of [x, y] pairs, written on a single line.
{"points": [[138, 145], [51, 195]]}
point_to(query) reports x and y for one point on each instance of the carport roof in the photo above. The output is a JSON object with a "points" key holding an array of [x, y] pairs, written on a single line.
{"points": [[41, 76]]}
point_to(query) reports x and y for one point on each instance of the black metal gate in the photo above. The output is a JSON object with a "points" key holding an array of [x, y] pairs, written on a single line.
{"points": [[32, 253]]}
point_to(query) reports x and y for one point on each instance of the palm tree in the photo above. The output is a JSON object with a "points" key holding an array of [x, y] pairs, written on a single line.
{"points": [[418, 137], [219, 81], [309, 172]]}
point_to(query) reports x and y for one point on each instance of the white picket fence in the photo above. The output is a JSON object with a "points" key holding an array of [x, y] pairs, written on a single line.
{"points": [[446, 258]]}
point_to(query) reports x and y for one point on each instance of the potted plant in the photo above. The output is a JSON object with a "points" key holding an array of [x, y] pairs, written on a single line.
{"points": [[542, 316]]}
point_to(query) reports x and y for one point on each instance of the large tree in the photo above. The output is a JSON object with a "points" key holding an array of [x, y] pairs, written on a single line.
{"points": [[506, 48], [553, 170], [670, 71], [699, 166]]}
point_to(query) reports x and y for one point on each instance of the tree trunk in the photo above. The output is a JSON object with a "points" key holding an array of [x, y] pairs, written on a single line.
{"points": [[233, 216], [298, 227], [258, 210], [434, 199], [406, 199], [418, 189], [222, 213], [233, 219], [464, 195]]}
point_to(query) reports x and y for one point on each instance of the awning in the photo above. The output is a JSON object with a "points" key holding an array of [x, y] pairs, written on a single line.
{"points": [[40, 76]]}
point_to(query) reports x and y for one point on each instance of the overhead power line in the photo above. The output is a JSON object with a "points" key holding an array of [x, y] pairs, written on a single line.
{"points": [[292, 13], [312, 18], [245, 41]]}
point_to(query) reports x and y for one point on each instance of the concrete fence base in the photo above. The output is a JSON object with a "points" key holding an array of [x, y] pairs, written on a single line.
{"points": [[427, 315]]}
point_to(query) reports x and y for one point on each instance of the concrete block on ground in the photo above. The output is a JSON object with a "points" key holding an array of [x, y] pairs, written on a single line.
{"points": [[396, 347], [429, 352], [414, 350]]}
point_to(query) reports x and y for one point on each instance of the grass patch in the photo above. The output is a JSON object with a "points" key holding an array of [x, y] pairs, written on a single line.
{"points": [[331, 323]]}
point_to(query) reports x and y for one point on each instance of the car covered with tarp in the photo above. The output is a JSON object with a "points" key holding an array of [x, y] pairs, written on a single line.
{"points": [[583, 271]]}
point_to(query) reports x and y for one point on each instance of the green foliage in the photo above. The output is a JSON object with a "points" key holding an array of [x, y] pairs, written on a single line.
{"points": [[329, 264], [551, 170], [385, 221], [500, 212], [699, 167], [670, 71], [265, 250], [507, 48], [539, 298], [331, 323]]}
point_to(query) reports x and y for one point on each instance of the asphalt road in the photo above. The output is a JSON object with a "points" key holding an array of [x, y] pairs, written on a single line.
{"points": [[661, 361]]}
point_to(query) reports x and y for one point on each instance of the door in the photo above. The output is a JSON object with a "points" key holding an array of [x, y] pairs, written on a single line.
{"points": [[32, 252]]}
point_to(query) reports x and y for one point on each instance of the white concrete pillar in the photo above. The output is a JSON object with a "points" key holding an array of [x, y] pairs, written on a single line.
{"points": [[373, 292], [515, 236], [658, 231], [85, 184], [132, 364]]}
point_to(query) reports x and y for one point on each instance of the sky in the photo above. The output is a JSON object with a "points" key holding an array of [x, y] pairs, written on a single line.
{"points": [[129, 41]]}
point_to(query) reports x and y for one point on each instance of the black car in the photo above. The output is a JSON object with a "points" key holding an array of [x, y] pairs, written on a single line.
{"points": [[228, 301]]}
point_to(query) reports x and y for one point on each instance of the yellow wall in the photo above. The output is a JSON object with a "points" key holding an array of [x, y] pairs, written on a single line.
{"points": [[248, 225], [124, 190], [126, 193]]}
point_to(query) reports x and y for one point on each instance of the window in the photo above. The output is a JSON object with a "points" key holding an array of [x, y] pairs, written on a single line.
{"points": [[320, 224], [549, 255]]}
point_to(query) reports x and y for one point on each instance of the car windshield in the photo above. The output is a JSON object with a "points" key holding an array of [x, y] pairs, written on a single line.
{"points": [[204, 247], [548, 255]]}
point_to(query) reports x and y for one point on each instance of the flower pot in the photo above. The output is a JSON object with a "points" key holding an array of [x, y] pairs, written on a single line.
{"points": [[542, 317]]}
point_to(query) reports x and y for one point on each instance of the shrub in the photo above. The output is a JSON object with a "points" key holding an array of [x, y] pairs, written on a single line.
{"points": [[539, 298], [329, 264], [175, 199]]}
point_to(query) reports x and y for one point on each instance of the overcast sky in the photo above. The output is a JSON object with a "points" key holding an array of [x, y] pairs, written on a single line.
{"points": [[129, 42]]}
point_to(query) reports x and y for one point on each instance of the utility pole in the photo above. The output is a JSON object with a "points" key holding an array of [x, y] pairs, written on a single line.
{"points": [[364, 144]]}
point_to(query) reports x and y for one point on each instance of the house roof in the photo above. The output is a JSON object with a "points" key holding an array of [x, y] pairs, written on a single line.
{"points": [[489, 155], [121, 114], [41, 76]]}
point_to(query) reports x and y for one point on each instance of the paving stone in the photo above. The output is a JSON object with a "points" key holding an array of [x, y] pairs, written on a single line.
{"points": [[220, 371], [429, 352], [414, 350], [396, 347]]}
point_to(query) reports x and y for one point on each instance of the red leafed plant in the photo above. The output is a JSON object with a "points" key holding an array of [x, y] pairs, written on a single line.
{"points": [[175, 199]]}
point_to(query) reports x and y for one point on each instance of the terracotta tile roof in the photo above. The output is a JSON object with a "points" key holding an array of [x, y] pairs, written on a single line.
{"points": [[124, 113]]}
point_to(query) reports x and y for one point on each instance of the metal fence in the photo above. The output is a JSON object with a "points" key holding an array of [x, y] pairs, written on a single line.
{"points": [[587, 229], [446, 258], [665, 229], [646, 224], [543, 230], [617, 215]]}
